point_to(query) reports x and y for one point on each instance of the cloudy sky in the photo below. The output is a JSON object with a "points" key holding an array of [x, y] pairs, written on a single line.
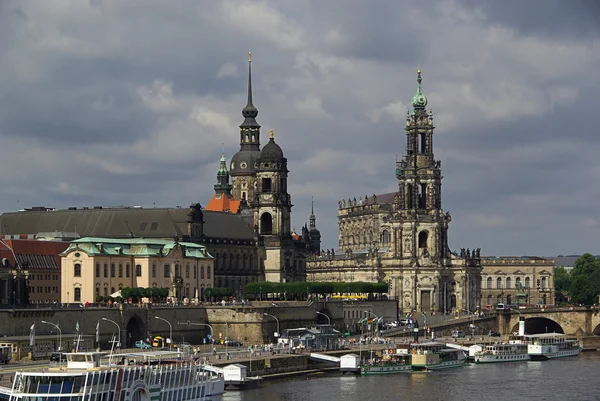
{"points": [[128, 103]]}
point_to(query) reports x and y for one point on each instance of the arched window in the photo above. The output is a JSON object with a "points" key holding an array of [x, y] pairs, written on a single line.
{"points": [[385, 237], [423, 235], [202, 272], [77, 294], [518, 282], [112, 269], [498, 282], [187, 271], [527, 282], [207, 271], [77, 270], [544, 283], [490, 284], [509, 299], [508, 283], [176, 269], [266, 224], [499, 299], [138, 270], [120, 269], [98, 271], [489, 300], [127, 270]]}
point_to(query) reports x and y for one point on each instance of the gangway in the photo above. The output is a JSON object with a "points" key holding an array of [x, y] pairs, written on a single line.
{"points": [[324, 357], [214, 369], [470, 350]]}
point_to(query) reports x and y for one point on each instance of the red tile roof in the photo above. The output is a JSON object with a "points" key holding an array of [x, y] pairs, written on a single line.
{"points": [[223, 203]]}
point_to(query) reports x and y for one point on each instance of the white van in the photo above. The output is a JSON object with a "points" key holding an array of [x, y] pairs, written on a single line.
{"points": [[500, 306]]}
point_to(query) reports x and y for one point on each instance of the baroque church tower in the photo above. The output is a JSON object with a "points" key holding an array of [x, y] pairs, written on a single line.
{"points": [[401, 238], [424, 231], [243, 173]]}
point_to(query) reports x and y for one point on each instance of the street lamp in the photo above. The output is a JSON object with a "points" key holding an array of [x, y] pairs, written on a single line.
{"points": [[170, 328], [59, 333], [188, 323], [328, 318], [118, 328], [274, 317]]}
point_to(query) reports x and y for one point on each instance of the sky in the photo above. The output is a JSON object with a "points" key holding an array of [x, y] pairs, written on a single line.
{"points": [[131, 103]]}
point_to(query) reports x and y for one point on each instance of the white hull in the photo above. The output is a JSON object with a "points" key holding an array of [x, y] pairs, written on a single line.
{"points": [[551, 352], [501, 358]]}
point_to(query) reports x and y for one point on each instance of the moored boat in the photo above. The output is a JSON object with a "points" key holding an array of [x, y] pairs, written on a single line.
{"points": [[435, 356], [141, 377], [387, 362], [503, 352], [551, 345]]}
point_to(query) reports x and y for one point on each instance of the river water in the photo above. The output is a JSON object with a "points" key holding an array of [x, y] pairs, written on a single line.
{"points": [[573, 378]]}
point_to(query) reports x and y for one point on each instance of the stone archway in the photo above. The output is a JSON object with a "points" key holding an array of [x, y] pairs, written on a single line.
{"points": [[538, 325], [135, 330]]}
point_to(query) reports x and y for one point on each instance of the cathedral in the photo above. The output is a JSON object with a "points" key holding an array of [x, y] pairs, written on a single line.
{"points": [[402, 237]]}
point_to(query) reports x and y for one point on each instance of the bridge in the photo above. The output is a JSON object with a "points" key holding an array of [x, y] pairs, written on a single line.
{"points": [[253, 324]]}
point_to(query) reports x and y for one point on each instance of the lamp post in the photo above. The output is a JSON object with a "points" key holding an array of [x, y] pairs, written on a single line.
{"points": [[118, 328], [328, 318], [170, 328], [188, 323], [274, 317], [59, 333]]}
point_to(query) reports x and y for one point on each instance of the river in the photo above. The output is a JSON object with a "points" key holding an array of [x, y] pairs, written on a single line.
{"points": [[574, 378]]}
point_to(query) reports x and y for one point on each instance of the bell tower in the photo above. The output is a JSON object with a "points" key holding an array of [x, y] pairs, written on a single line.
{"points": [[272, 207], [425, 226]]}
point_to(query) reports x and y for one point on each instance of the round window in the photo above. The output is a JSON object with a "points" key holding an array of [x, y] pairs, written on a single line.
{"points": [[243, 165]]}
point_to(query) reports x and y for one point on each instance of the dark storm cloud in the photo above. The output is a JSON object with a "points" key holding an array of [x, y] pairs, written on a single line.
{"points": [[575, 19], [129, 103]]}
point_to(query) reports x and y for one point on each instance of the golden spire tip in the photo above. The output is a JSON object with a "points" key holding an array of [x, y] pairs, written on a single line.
{"points": [[419, 69], [271, 135], [249, 57]]}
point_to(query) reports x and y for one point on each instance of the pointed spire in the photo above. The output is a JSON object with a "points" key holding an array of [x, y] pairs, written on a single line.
{"points": [[250, 112], [419, 101], [312, 218]]}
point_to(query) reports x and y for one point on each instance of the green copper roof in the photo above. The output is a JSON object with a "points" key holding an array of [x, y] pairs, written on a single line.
{"points": [[135, 247], [419, 100]]}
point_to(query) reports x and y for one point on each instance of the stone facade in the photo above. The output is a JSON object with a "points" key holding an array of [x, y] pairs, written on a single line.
{"points": [[93, 267], [517, 281], [402, 238]]}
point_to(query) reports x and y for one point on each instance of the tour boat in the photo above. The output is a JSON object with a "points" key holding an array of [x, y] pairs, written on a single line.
{"points": [[551, 345], [435, 356], [503, 352], [389, 361], [144, 376]]}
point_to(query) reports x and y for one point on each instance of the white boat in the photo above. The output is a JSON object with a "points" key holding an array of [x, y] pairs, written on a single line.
{"points": [[435, 356], [513, 351], [143, 376], [551, 345]]}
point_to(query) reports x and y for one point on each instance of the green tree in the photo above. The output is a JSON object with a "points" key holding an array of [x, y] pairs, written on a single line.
{"points": [[585, 280], [562, 284]]}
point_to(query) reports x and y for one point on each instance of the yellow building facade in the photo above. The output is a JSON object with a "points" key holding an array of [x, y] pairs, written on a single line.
{"points": [[94, 267]]}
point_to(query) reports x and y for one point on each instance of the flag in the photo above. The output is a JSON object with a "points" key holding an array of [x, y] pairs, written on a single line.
{"points": [[98, 332], [77, 327], [32, 335]]}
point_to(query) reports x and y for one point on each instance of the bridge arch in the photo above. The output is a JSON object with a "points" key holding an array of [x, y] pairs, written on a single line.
{"points": [[135, 330], [537, 325], [596, 330]]}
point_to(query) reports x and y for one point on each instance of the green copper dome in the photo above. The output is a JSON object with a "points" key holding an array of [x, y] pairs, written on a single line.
{"points": [[419, 100]]}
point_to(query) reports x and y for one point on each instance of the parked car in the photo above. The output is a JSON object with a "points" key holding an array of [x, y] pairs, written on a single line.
{"points": [[404, 322], [458, 333], [142, 344], [493, 333], [58, 357], [232, 343], [390, 325]]}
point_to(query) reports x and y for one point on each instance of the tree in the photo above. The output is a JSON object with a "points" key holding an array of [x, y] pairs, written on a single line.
{"points": [[562, 283], [585, 280]]}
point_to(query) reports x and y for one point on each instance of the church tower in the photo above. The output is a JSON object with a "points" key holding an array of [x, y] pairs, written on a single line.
{"points": [[272, 207], [243, 173], [424, 230]]}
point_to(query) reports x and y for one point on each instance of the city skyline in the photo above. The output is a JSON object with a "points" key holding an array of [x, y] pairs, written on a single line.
{"points": [[110, 103]]}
